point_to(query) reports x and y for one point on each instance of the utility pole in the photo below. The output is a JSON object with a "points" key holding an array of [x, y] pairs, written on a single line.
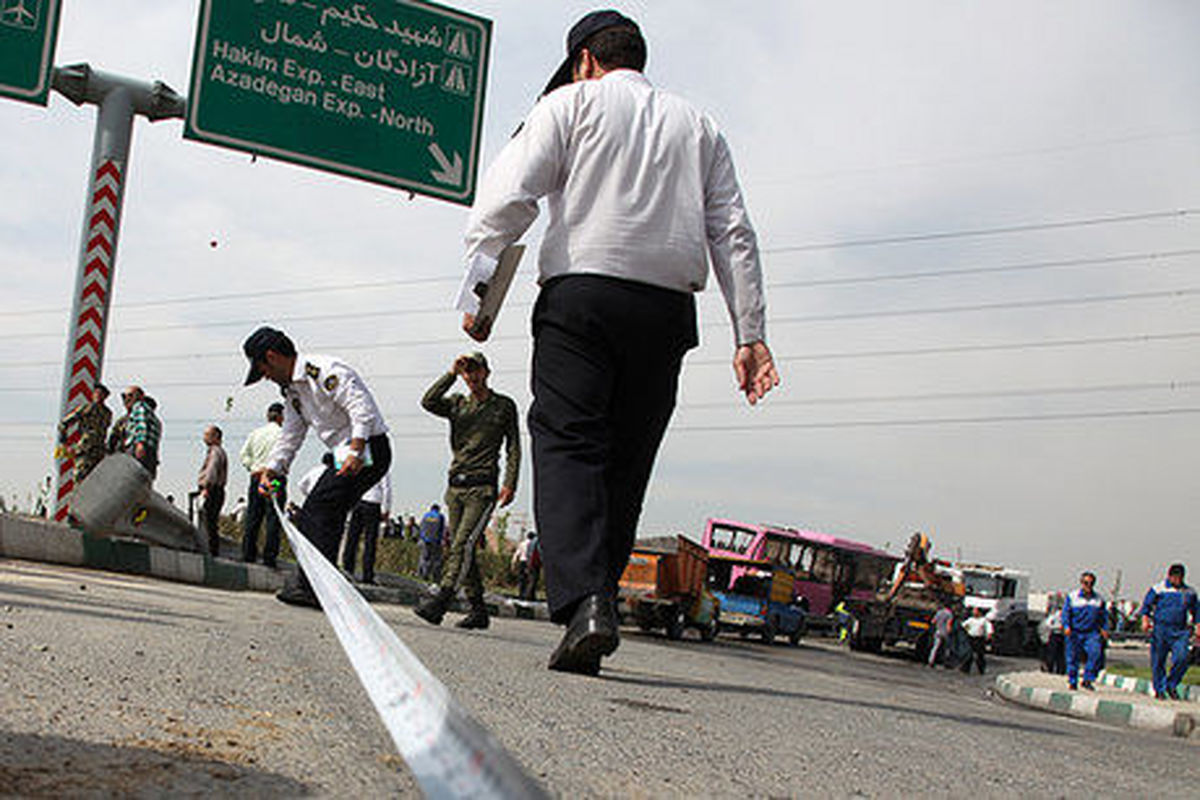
{"points": [[118, 99]]}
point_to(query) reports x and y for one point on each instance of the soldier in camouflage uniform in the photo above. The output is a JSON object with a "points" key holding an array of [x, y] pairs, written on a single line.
{"points": [[480, 422], [91, 419]]}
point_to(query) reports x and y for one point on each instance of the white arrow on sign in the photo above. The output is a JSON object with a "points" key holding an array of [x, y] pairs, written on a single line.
{"points": [[449, 173]]}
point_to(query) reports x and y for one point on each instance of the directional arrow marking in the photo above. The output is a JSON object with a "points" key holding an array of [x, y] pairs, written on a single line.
{"points": [[449, 173]]}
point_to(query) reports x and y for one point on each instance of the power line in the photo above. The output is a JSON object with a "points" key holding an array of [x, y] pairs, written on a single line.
{"points": [[1020, 267], [982, 394], [772, 427], [1005, 305], [892, 423], [1030, 226], [768, 250], [1143, 338]]}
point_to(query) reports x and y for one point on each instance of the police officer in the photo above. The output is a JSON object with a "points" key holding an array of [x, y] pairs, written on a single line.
{"points": [[480, 422], [1166, 611], [326, 394], [91, 420], [1085, 626]]}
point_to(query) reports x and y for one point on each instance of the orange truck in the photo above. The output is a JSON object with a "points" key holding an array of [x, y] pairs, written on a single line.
{"points": [[664, 587]]}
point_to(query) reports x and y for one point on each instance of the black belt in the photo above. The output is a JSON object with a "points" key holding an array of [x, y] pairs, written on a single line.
{"points": [[460, 480]]}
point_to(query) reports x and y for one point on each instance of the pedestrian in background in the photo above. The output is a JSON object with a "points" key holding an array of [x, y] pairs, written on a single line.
{"points": [[1050, 631], [642, 195], [375, 505], [481, 423], [1166, 612], [431, 531], [90, 421], [211, 484], [520, 564], [142, 429], [254, 455], [979, 632], [941, 625], [1085, 626], [328, 395]]}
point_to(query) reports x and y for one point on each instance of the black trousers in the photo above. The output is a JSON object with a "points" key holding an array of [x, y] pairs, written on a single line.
{"points": [[323, 514], [364, 524], [259, 513], [978, 649], [214, 498], [606, 360]]}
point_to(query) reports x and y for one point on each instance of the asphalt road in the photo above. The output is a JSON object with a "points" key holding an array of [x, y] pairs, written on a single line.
{"points": [[123, 685]]}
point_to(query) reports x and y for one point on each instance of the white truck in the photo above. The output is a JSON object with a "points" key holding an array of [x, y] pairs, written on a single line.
{"points": [[1003, 593]]}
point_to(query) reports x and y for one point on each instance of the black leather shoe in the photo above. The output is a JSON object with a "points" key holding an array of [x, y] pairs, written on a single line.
{"points": [[295, 595], [1173, 694], [1091, 687], [476, 619], [433, 607], [591, 635]]}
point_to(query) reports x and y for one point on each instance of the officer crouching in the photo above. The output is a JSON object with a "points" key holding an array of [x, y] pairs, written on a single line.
{"points": [[326, 394]]}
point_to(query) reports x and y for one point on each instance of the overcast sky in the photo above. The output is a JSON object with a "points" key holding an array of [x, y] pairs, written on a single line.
{"points": [[980, 271]]}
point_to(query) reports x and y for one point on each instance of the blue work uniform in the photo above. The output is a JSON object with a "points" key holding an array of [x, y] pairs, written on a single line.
{"points": [[1169, 606], [1085, 617]]}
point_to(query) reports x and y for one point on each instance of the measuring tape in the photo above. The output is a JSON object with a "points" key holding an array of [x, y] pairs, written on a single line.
{"points": [[451, 755]]}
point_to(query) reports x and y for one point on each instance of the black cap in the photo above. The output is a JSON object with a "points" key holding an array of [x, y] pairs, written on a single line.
{"points": [[580, 32], [258, 343], [274, 408]]}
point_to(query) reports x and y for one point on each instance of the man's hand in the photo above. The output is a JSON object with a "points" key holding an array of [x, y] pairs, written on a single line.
{"points": [[460, 366], [1147, 624], [1104, 634], [505, 496], [139, 451], [480, 335], [351, 465], [1066, 631], [755, 371]]}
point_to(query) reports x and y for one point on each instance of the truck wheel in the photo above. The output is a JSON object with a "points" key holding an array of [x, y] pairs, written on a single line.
{"points": [[675, 624], [768, 632]]}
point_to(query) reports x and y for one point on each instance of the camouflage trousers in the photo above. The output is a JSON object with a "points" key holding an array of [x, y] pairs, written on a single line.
{"points": [[85, 461], [469, 509]]}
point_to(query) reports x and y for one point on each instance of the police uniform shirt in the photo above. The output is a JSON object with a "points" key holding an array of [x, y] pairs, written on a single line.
{"points": [[327, 395], [639, 185]]}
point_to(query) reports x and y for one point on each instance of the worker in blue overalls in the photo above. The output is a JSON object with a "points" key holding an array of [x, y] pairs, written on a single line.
{"points": [[1085, 626], [1165, 611]]}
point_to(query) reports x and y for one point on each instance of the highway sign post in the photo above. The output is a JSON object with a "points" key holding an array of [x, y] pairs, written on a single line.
{"points": [[28, 31], [389, 91]]}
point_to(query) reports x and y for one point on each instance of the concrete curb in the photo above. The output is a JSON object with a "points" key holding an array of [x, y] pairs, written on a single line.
{"points": [[1143, 686], [1144, 716], [31, 539]]}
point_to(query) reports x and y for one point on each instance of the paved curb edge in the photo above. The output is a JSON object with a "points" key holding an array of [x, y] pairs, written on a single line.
{"points": [[1143, 686], [50, 542], [1089, 706]]}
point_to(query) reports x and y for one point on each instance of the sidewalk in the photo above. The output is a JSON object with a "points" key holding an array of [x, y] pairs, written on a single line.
{"points": [[1116, 702], [32, 539]]}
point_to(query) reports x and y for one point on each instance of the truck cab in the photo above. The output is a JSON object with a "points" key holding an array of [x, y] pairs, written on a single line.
{"points": [[757, 597]]}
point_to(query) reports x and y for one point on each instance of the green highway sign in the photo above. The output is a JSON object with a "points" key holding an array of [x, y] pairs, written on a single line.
{"points": [[389, 91], [28, 30]]}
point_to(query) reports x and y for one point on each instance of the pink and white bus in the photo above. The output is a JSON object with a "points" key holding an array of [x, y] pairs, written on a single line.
{"points": [[828, 568]]}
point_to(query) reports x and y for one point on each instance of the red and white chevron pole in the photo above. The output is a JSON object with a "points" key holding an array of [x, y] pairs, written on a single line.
{"points": [[119, 99]]}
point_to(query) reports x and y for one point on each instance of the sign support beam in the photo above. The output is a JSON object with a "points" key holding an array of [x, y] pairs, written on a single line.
{"points": [[119, 100]]}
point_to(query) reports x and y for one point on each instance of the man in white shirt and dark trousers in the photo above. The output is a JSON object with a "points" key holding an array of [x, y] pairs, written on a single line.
{"points": [[979, 632], [326, 394], [254, 455], [364, 524], [641, 193]]}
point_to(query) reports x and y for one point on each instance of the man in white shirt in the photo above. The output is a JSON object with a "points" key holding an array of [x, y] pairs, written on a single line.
{"points": [[254, 455], [979, 632], [326, 394], [642, 194], [364, 524]]}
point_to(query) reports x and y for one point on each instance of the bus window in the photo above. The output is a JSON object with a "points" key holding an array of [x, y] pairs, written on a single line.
{"points": [[733, 540], [824, 566], [804, 562]]}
